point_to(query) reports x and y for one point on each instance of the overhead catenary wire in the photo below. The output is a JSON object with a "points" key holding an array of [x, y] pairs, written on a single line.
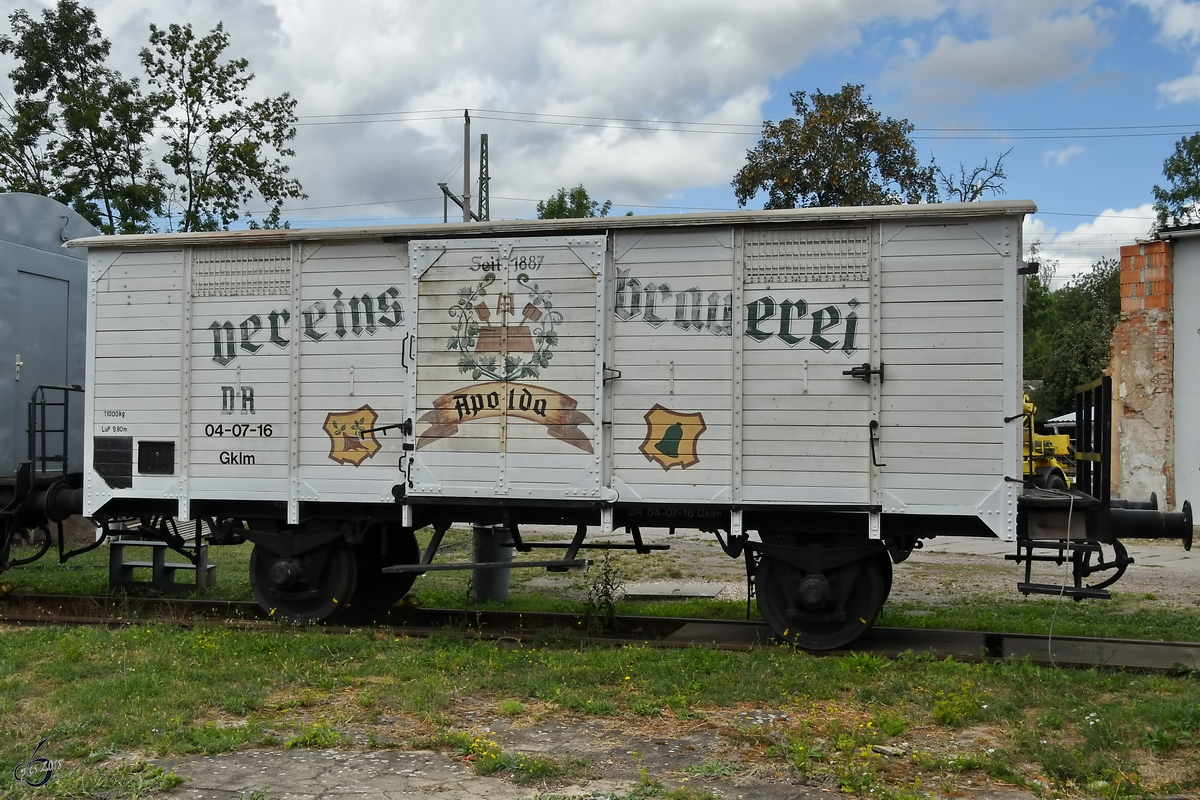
{"points": [[744, 129]]}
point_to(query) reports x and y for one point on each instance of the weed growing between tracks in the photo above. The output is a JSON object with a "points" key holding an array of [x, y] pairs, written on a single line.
{"points": [[860, 723]]}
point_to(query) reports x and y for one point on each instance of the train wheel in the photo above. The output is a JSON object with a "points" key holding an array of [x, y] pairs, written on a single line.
{"points": [[376, 590], [303, 589], [822, 611]]}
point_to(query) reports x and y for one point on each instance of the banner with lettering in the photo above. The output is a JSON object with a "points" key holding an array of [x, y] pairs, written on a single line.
{"points": [[556, 411]]}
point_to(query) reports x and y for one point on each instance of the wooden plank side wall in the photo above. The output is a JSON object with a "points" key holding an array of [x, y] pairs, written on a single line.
{"points": [[134, 365], [942, 430], [355, 364], [805, 434], [673, 345], [348, 326], [334, 344], [233, 454]]}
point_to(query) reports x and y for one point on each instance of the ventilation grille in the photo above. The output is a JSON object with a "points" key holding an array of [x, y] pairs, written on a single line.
{"points": [[804, 255], [238, 271]]}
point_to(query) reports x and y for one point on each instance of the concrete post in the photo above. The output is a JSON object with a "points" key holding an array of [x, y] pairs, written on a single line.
{"points": [[490, 544]]}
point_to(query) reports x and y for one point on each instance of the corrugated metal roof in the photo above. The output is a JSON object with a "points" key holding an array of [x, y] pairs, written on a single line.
{"points": [[525, 227]]}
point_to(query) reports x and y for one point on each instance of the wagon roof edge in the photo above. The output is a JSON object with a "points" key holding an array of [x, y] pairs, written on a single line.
{"points": [[986, 208]]}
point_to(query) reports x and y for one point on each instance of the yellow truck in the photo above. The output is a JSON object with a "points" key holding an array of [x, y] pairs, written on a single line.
{"points": [[1048, 458]]}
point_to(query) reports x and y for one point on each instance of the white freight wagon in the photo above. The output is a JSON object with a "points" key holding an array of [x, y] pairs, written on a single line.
{"points": [[837, 382]]}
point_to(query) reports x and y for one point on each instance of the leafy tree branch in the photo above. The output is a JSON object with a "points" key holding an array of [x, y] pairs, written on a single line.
{"points": [[222, 149]]}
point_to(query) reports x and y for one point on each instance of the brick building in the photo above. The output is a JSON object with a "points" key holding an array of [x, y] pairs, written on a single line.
{"points": [[1156, 370]]}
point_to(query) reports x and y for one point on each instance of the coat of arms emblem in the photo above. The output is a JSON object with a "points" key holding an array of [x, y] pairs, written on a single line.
{"points": [[350, 439], [493, 342], [671, 437]]}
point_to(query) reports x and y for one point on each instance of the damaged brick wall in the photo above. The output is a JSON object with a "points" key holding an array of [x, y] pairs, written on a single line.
{"points": [[1143, 354]]}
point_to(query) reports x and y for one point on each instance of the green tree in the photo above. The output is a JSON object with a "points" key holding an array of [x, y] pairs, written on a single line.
{"points": [[75, 129], [1068, 333], [1177, 203], [836, 151], [572, 204], [223, 149]]}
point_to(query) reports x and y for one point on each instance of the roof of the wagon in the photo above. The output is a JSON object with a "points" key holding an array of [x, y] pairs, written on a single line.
{"points": [[988, 208]]}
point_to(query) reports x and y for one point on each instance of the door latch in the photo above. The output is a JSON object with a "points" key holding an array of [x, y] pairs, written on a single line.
{"points": [[20, 364], [874, 434], [865, 372]]}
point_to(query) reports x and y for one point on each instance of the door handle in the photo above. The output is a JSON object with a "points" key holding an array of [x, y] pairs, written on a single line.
{"points": [[874, 434], [20, 364]]}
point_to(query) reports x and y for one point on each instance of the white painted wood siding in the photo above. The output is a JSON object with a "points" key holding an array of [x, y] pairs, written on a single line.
{"points": [[343, 367], [949, 342], [722, 333], [806, 296], [133, 368], [673, 324]]}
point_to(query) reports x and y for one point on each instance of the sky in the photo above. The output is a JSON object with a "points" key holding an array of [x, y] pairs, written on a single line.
{"points": [[652, 104]]}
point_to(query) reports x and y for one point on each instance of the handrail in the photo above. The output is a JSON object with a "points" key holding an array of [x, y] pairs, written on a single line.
{"points": [[39, 429]]}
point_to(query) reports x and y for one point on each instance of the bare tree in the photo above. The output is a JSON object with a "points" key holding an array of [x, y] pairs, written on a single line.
{"points": [[967, 187]]}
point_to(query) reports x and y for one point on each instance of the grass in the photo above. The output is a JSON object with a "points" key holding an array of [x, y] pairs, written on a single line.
{"points": [[210, 690], [486, 757], [1123, 617], [133, 779]]}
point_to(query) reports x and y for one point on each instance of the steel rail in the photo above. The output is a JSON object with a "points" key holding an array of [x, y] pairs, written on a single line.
{"points": [[972, 646]]}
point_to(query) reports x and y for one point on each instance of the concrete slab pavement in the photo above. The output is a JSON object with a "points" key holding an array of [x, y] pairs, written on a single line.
{"points": [[395, 774]]}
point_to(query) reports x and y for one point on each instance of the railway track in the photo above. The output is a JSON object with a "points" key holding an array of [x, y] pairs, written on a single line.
{"points": [[1061, 651]]}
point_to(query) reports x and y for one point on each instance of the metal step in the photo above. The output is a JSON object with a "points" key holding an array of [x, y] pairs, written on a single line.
{"points": [[1064, 591], [558, 562], [162, 574]]}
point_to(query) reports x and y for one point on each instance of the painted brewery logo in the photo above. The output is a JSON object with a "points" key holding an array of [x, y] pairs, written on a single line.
{"points": [[495, 343], [672, 437], [358, 314], [492, 341], [831, 327], [350, 438]]}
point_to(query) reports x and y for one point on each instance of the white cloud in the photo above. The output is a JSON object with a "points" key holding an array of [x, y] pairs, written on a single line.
{"points": [[1078, 248], [1182, 90], [1024, 45], [1179, 21], [1061, 157], [709, 60], [1179, 27]]}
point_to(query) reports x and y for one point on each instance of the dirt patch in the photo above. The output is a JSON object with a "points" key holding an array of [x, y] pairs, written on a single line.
{"points": [[726, 750]]}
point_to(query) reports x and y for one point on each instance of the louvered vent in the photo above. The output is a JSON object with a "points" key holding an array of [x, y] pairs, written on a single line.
{"points": [[806, 254], [239, 271]]}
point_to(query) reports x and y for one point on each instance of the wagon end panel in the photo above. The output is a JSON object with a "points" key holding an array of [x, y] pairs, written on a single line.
{"points": [[133, 439], [950, 340], [507, 390]]}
